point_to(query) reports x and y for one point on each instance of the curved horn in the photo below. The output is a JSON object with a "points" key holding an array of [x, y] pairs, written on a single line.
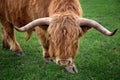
{"points": [[96, 25], [34, 23]]}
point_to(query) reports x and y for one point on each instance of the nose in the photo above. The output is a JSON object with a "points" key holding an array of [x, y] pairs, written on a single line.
{"points": [[64, 62]]}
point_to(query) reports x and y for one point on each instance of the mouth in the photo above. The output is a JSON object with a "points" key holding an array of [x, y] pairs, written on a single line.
{"points": [[71, 69]]}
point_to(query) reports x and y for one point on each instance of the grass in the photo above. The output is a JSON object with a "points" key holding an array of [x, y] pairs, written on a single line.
{"points": [[98, 57]]}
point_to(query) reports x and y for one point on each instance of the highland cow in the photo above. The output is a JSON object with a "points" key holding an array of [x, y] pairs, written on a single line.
{"points": [[58, 24]]}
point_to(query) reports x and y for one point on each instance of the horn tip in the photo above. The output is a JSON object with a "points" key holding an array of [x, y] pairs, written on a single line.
{"points": [[114, 32]]}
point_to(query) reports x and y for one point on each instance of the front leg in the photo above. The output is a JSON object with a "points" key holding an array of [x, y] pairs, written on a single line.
{"points": [[43, 38], [46, 56], [9, 40]]}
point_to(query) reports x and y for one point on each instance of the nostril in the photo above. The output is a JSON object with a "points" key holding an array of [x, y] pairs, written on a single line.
{"points": [[69, 62], [59, 62]]}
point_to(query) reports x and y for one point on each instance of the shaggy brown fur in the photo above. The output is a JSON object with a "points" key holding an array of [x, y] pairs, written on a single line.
{"points": [[65, 6], [18, 13], [64, 31], [59, 40]]}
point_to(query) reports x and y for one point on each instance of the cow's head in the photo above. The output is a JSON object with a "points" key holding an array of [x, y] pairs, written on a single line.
{"points": [[64, 32]]}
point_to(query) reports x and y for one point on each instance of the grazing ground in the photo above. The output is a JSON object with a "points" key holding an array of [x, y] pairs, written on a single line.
{"points": [[98, 57]]}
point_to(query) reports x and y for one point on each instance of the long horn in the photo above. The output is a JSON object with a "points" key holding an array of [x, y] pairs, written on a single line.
{"points": [[96, 25], [34, 23]]}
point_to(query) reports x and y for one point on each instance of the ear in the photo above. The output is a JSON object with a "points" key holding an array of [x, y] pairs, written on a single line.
{"points": [[85, 28], [44, 27]]}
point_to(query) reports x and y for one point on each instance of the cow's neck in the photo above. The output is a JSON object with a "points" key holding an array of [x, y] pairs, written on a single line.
{"points": [[65, 6]]}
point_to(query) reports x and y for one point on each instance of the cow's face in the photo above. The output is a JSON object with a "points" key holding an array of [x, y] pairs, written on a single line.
{"points": [[63, 35]]}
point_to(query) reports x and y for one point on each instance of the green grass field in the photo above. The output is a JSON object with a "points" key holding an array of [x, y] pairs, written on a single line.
{"points": [[98, 57]]}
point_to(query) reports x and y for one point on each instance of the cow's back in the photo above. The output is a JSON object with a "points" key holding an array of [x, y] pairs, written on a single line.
{"points": [[20, 12]]}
